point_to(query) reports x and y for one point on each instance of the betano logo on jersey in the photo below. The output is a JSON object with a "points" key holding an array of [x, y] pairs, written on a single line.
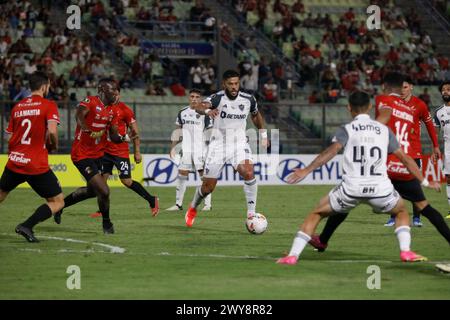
{"points": [[232, 116]]}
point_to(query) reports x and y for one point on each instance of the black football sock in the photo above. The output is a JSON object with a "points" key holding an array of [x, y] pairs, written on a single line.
{"points": [[78, 195], [437, 220], [140, 190], [103, 205], [41, 214], [332, 224]]}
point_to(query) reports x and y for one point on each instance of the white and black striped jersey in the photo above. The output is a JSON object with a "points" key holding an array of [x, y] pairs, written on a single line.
{"points": [[367, 144], [442, 121]]}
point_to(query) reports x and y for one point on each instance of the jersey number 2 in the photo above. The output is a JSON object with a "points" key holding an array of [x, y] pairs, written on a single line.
{"points": [[26, 139]]}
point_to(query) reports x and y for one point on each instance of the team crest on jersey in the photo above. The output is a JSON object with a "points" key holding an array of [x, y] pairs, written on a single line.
{"points": [[98, 109], [87, 100], [241, 107], [224, 106], [198, 116]]}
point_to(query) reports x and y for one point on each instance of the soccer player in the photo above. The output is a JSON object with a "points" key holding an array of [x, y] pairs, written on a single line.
{"points": [[94, 115], [118, 154], [193, 128], [392, 111], [421, 114], [31, 120], [366, 144], [229, 109], [442, 121]]}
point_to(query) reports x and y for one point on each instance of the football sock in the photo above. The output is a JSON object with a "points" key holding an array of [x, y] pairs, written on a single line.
{"points": [[140, 190], [416, 212], [198, 197], [251, 193], [332, 224], [208, 200], [42, 213], [300, 241], [78, 195], [448, 193], [437, 220], [103, 204], [404, 237], [181, 189]]}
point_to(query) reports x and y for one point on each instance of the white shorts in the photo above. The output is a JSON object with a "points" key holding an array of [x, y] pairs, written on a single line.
{"points": [[191, 161], [447, 164], [219, 154], [341, 202]]}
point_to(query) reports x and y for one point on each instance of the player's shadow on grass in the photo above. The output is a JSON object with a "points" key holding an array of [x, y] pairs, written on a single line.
{"points": [[55, 230]]}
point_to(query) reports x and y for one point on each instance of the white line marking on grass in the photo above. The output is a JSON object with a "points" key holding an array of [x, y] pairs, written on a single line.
{"points": [[112, 249]]}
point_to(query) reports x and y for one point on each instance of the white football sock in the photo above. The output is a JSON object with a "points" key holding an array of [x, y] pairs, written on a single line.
{"points": [[181, 189], [208, 200], [300, 241], [251, 193], [404, 237], [198, 197]]}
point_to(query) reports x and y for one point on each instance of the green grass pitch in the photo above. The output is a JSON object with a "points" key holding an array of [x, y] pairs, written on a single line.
{"points": [[217, 258]]}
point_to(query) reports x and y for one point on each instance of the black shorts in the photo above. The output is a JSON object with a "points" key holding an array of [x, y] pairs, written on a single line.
{"points": [[89, 167], [123, 165], [46, 185], [409, 190]]}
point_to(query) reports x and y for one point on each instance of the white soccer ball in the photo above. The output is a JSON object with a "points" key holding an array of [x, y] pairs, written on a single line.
{"points": [[256, 224]]}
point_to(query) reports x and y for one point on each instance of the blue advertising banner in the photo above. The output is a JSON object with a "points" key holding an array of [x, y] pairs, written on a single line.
{"points": [[178, 49]]}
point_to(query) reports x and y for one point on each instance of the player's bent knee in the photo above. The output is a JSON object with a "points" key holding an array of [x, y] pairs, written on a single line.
{"points": [[420, 205], [126, 182]]}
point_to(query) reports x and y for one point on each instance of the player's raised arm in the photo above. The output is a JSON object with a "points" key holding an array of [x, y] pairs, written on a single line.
{"points": [[325, 156]]}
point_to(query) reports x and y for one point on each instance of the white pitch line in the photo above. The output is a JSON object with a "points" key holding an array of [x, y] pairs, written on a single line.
{"points": [[112, 249]]}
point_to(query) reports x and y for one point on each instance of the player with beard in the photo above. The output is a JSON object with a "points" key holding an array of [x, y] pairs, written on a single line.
{"points": [[229, 109], [442, 121]]}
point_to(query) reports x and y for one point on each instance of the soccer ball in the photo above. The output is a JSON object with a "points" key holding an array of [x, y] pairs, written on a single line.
{"points": [[256, 224]]}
